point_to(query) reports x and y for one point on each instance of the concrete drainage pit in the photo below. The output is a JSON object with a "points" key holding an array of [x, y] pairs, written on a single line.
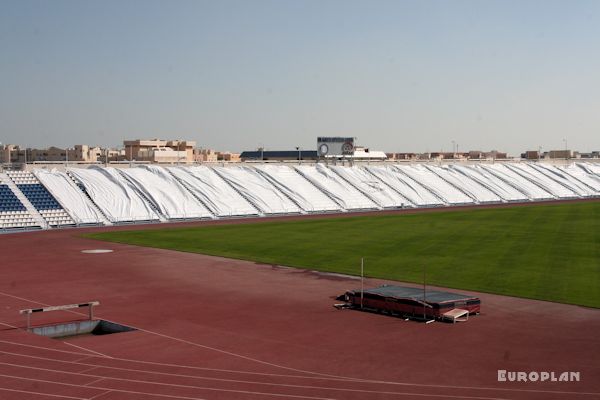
{"points": [[79, 328]]}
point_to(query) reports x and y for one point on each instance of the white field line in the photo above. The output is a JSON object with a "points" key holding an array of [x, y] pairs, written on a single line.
{"points": [[172, 385], [83, 348], [91, 382], [43, 394], [445, 396], [283, 376], [46, 348], [83, 359], [212, 379], [318, 375], [99, 395], [193, 343], [83, 371], [99, 388], [232, 371]]}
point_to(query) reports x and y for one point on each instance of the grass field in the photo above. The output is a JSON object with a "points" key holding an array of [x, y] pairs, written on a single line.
{"points": [[549, 252]]}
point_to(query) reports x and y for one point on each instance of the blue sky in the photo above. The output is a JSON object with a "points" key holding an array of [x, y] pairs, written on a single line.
{"points": [[234, 75]]}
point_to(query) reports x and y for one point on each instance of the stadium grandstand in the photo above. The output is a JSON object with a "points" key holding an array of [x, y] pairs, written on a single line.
{"points": [[47, 199]]}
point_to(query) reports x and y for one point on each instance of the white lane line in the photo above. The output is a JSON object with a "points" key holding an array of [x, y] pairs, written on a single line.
{"points": [[243, 357], [82, 359], [162, 384], [100, 388], [92, 382], [22, 298], [445, 396], [342, 378], [43, 394], [83, 348], [45, 348], [306, 386], [100, 395], [182, 366], [9, 325], [337, 389], [87, 369], [238, 381]]}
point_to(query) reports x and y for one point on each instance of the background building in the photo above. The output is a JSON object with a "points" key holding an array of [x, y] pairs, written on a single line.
{"points": [[592, 154], [560, 154], [78, 153], [402, 156], [364, 153], [228, 156], [531, 155], [205, 155], [159, 151]]}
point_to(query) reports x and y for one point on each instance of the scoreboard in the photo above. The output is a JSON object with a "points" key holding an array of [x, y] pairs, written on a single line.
{"points": [[335, 146]]}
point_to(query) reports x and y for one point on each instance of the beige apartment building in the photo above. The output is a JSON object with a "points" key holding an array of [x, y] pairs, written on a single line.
{"points": [[560, 154], [210, 155], [159, 151], [228, 156], [139, 150], [6, 153], [79, 153], [205, 155]]}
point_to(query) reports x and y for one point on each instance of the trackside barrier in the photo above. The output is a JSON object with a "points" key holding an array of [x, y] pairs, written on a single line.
{"points": [[30, 311]]}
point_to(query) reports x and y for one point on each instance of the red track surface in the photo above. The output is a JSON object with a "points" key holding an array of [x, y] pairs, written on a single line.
{"points": [[214, 328]]}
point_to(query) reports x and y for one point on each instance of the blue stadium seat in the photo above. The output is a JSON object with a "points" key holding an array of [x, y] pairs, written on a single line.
{"points": [[39, 196], [8, 200]]}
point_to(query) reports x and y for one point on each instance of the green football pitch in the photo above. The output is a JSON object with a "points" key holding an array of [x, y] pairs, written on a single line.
{"points": [[548, 252]]}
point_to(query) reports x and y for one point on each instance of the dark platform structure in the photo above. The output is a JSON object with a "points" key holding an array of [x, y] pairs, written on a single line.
{"points": [[279, 155], [412, 302]]}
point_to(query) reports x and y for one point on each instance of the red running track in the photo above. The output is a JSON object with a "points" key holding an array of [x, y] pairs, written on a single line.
{"points": [[214, 328]]}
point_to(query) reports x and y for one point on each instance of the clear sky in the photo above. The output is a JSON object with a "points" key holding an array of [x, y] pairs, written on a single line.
{"points": [[234, 75]]}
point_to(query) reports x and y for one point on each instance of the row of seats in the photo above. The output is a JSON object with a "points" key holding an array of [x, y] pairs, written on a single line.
{"points": [[18, 224], [16, 219], [57, 217], [39, 196], [15, 215], [22, 177], [8, 200]]}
